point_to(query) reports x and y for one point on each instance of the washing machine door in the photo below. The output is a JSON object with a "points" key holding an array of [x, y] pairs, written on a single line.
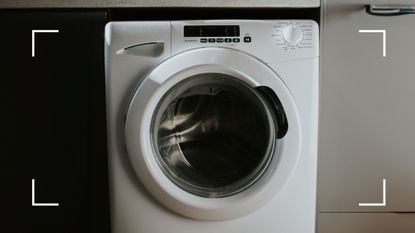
{"points": [[213, 133]]}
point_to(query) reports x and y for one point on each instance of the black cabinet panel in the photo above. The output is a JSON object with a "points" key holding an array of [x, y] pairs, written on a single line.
{"points": [[53, 122]]}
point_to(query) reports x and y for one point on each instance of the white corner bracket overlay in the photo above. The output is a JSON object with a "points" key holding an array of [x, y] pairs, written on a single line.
{"points": [[383, 199], [383, 38], [39, 204], [34, 35]]}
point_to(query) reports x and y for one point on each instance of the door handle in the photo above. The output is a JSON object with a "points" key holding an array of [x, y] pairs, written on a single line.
{"points": [[390, 10], [279, 114]]}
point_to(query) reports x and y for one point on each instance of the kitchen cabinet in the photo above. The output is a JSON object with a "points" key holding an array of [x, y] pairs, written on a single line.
{"points": [[367, 110], [366, 222], [53, 122]]}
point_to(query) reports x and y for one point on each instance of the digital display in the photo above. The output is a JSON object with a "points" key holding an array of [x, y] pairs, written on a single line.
{"points": [[211, 31]]}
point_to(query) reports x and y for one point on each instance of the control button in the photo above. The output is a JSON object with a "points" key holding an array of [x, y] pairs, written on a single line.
{"points": [[219, 40], [293, 34], [228, 40], [236, 40], [203, 40], [211, 40], [247, 39]]}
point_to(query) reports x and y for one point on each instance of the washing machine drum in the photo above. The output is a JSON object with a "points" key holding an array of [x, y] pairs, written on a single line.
{"points": [[207, 139], [214, 136]]}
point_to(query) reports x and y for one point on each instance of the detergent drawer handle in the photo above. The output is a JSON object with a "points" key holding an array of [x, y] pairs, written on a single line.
{"points": [[390, 10], [147, 49]]}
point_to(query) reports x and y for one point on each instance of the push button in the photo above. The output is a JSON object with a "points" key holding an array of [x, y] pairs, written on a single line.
{"points": [[219, 40], [203, 40], [211, 40], [236, 40], [228, 40], [247, 39]]}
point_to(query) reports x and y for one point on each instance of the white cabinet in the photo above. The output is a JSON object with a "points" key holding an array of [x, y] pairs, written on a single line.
{"points": [[366, 223], [367, 124]]}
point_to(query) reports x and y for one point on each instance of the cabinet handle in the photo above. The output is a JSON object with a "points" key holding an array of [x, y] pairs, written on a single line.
{"points": [[389, 10]]}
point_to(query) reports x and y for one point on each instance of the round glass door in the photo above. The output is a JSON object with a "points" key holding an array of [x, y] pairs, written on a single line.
{"points": [[209, 137], [213, 135]]}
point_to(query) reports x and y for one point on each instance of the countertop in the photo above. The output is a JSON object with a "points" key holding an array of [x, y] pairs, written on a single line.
{"points": [[155, 3]]}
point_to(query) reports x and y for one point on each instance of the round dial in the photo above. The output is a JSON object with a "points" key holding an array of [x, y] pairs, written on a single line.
{"points": [[293, 34]]}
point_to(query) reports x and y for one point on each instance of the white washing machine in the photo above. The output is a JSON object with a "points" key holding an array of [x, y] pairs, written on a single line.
{"points": [[212, 125]]}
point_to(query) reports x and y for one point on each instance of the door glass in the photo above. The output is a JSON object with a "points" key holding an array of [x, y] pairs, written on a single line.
{"points": [[213, 135]]}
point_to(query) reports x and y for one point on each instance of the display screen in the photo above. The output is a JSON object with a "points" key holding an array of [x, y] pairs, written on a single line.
{"points": [[211, 31]]}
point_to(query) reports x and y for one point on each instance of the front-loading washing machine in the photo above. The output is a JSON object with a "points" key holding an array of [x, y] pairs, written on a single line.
{"points": [[212, 125]]}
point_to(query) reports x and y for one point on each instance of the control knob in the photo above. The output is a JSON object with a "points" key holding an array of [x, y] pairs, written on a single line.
{"points": [[293, 34]]}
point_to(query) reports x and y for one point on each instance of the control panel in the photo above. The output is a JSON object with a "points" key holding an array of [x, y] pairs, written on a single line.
{"points": [[269, 40], [220, 34]]}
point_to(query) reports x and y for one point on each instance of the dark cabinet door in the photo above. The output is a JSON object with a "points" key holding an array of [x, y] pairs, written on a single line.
{"points": [[53, 122]]}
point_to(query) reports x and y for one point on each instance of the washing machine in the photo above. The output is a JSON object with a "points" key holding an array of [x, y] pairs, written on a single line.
{"points": [[212, 125]]}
